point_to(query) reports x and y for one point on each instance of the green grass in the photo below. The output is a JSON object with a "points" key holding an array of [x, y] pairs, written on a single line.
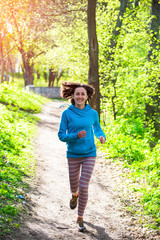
{"points": [[17, 163], [20, 99], [129, 141]]}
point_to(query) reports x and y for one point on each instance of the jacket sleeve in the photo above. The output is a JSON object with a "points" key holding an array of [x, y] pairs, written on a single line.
{"points": [[97, 128], [63, 134]]}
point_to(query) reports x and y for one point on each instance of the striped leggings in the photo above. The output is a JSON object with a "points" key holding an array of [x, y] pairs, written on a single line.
{"points": [[80, 171]]}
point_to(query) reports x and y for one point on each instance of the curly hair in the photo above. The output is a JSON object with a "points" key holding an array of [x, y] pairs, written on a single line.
{"points": [[68, 89]]}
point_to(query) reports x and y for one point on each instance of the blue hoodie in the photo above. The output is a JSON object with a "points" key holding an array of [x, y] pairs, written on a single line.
{"points": [[75, 120]]}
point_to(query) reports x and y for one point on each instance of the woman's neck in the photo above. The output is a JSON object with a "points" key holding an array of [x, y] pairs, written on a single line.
{"points": [[79, 106]]}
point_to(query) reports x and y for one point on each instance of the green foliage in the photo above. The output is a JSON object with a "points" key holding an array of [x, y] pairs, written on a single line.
{"points": [[17, 163], [15, 98], [128, 82], [71, 51], [125, 138], [124, 77], [18, 80], [128, 140]]}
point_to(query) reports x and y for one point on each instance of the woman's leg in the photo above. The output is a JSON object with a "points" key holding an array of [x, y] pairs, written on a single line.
{"points": [[74, 165], [86, 173]]}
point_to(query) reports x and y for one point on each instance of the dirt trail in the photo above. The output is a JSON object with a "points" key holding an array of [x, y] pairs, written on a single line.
{"points": [[48, 214]]}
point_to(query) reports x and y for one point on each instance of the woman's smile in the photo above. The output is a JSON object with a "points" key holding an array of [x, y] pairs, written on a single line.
{"points": [[80, 96]]}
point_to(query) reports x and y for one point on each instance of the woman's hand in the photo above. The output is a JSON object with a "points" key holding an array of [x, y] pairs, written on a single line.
{"points": [[102, 139], [81, 134]]}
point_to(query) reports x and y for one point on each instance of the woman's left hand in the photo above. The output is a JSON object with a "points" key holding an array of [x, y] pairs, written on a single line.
{"points": [[102, 139]]}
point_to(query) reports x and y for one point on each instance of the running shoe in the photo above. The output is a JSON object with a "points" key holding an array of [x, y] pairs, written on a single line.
{"points": [[73, 201], [81, 226]]}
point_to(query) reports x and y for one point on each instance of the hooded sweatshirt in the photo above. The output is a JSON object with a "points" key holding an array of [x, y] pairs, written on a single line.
{"points": [[74, 120]]}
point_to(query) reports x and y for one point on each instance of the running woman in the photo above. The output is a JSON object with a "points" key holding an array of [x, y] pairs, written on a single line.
{"points": [[79, 123]]}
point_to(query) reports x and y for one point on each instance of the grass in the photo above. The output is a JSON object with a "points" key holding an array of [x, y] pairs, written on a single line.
{"points": [[20, 99], [17, 163], [129, 141]]}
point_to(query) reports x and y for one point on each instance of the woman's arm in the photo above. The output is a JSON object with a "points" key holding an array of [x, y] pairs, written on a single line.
{"points": [[98, 130], [63, 129]]}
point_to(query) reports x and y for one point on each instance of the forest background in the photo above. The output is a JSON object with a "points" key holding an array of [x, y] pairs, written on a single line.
{"points": [[112, 45]]}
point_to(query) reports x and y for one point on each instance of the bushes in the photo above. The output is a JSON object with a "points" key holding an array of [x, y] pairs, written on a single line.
{"points": [[17, 129], [127, 139]]}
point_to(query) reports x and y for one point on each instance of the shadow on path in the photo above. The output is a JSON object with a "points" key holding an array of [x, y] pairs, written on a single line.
{"points": [[101, 234]]}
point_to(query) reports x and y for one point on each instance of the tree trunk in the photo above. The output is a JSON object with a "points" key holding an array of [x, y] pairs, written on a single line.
{"points": [[153, 109], [2, 70], [28, 67], [154, 28], [136, 3], [110, 53], [93, 75], [59, 76], [2, 60], [52, 76], [11, 67], [117, 29]]}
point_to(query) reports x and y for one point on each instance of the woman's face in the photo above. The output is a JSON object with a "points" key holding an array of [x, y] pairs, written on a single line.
{"points": [[80, 96]]}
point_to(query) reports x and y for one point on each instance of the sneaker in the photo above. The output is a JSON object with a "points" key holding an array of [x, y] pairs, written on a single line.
{"points": [[73, 201], [81, 226]]}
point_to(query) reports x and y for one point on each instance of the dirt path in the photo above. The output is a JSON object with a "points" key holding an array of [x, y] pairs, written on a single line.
{"points": [[48, 214]]}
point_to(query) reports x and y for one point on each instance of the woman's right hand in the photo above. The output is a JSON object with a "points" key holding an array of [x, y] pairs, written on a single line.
{"points": [[81, 134]]}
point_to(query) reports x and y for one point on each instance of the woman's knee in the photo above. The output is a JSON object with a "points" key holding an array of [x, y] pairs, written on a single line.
{"points": [[83, 186]]}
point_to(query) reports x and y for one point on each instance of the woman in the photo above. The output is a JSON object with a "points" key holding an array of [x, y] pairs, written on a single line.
{"points": [[78, 125]]}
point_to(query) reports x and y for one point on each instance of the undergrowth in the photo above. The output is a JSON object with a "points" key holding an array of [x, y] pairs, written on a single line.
{"points": [[17, 128], [127, 139], [20, 99]]}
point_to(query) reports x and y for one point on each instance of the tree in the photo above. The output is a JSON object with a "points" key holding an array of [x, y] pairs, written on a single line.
{"points": [[154, 29], [117, 29], [5, 36], [113, 43], [2, 37], [136, 3], [93, 75], [153, 105], [108, 74], [68, 43], [30, 30], [30, 20]]}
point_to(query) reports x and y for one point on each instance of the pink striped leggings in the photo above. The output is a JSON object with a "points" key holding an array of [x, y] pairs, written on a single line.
{"points": [[80, 171]]}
